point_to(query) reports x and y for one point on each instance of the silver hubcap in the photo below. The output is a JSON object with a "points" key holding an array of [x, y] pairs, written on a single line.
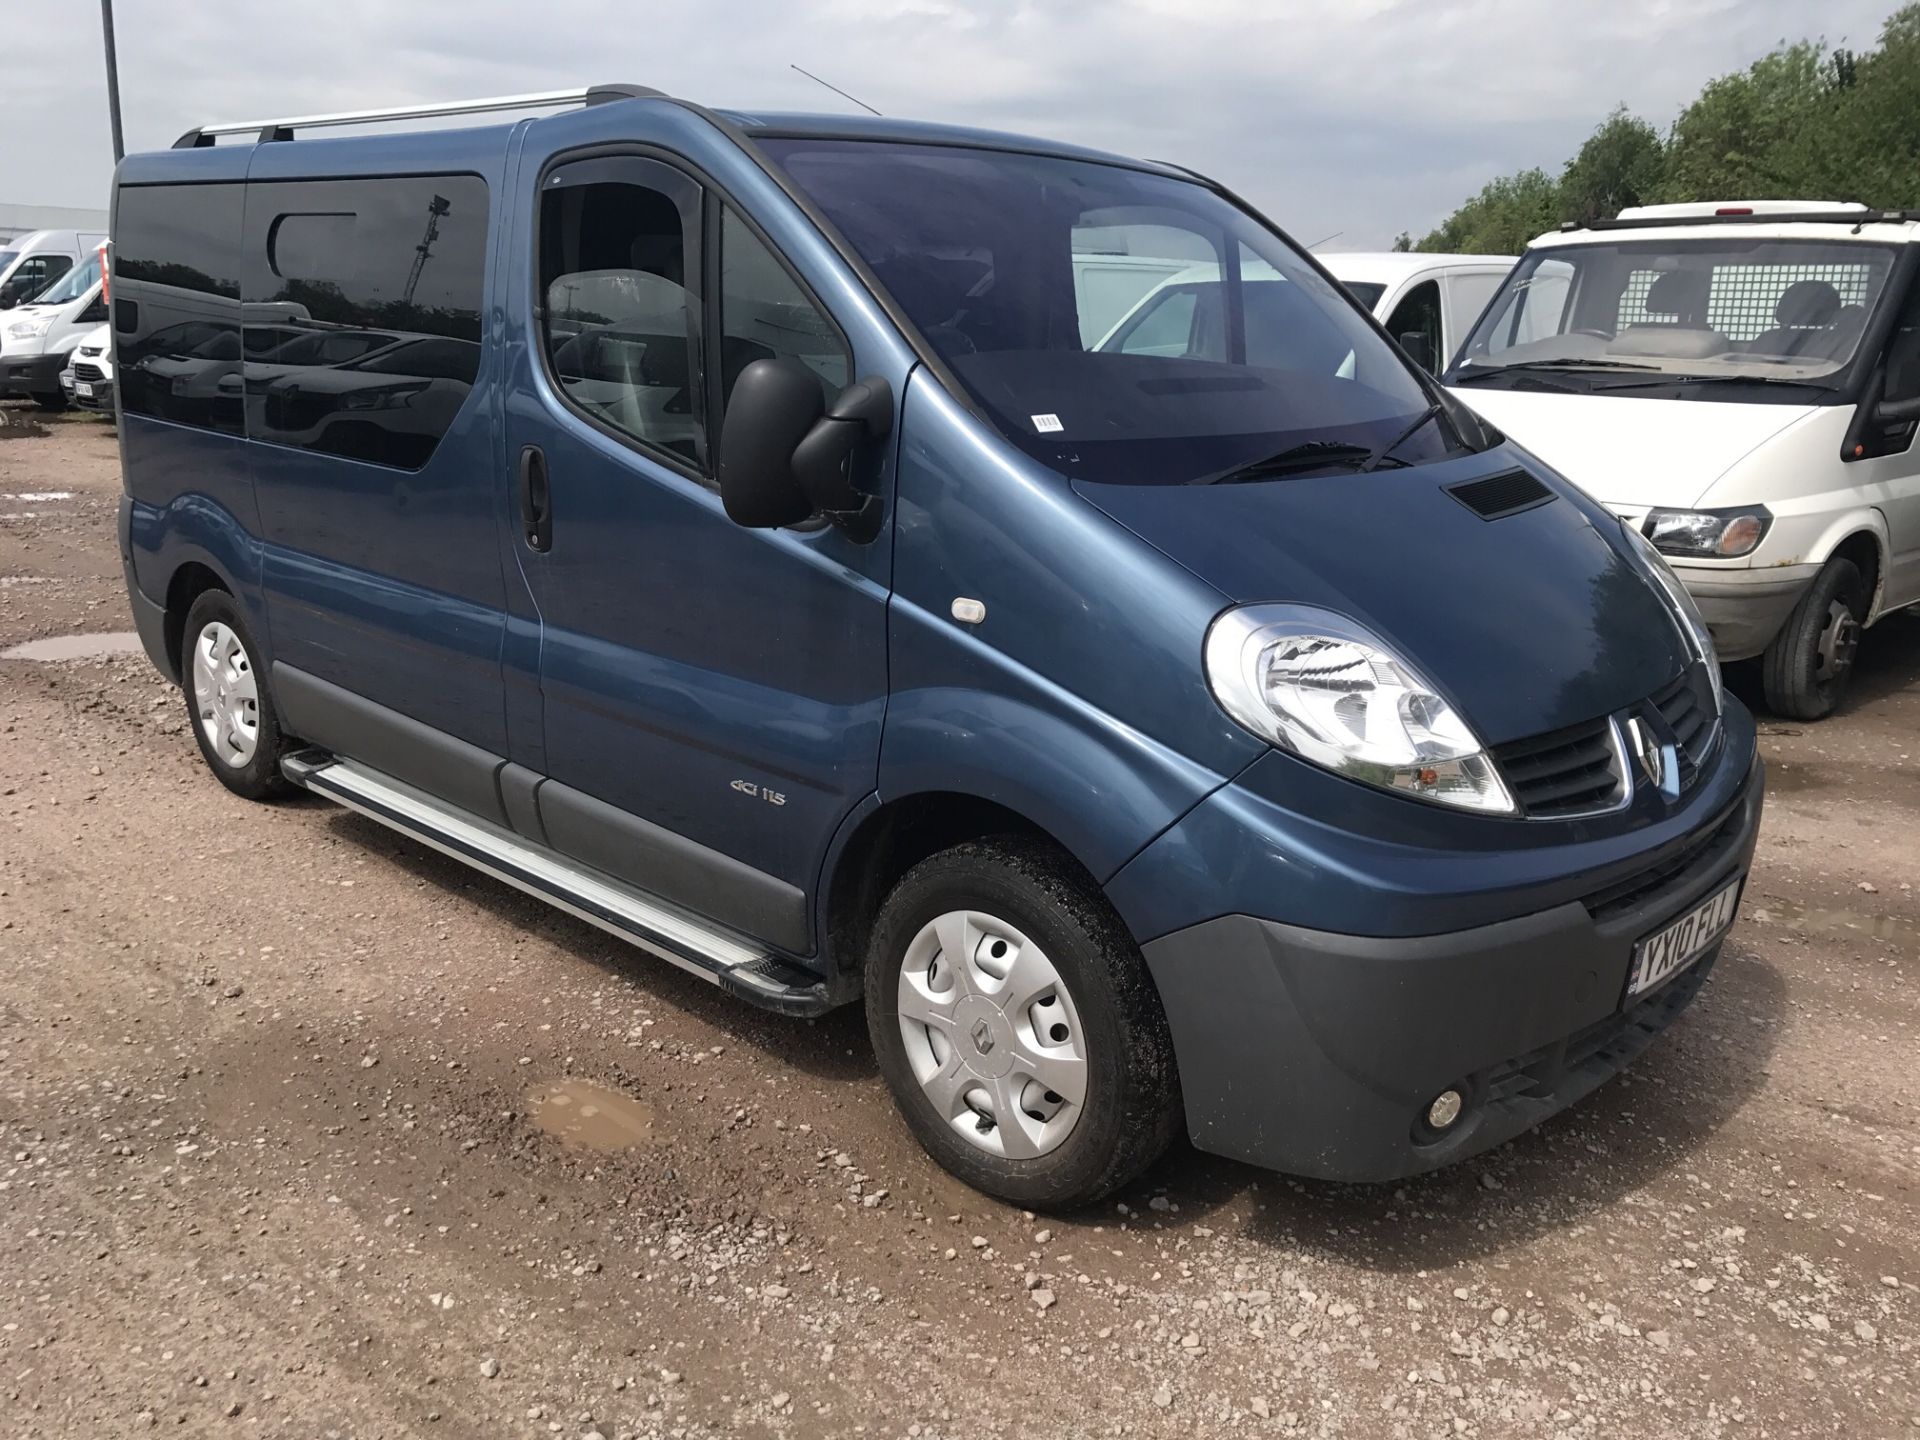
{"points": [[992, 1035], [1838, 640], [226, 696]]}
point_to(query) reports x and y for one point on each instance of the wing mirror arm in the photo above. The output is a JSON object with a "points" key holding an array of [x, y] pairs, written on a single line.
{"points": [[860, 415], [1897, 412]]}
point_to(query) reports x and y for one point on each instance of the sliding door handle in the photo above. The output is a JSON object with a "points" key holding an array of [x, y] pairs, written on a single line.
{"points": [[536, 499]]}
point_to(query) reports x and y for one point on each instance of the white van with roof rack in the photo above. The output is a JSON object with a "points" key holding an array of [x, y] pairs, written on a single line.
{"points": [[1740, 381]]}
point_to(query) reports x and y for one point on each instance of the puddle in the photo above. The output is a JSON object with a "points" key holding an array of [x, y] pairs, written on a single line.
{"points": [[1829, 922], [591, 1116], [76, 647]]}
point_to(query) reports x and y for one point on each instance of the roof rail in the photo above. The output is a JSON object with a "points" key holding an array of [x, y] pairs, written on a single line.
{"points": [[1852, 218], [284, 129]]}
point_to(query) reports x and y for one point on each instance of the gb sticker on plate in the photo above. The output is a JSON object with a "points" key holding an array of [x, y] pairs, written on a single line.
{"points": [[1047, 424]]}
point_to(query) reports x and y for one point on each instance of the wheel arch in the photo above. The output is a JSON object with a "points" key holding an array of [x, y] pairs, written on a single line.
{"points": [[883, 840], [1859, 536], [189, 581]]}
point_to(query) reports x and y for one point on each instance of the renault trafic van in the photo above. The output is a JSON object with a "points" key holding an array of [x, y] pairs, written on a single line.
{"points": [[1740, 383], [737, 543], [37, 340]]}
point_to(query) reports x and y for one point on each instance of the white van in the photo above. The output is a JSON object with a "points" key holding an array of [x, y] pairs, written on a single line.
{"points": [[30, 263], [38, 338], [1742, 382], [1426, 302]]}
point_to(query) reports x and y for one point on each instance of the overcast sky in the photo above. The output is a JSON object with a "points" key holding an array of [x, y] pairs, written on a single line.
{"points": [[1364, 117]]}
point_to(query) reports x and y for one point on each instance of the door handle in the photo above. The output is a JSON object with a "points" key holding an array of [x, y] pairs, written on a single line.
{"points": [[536, 499]]}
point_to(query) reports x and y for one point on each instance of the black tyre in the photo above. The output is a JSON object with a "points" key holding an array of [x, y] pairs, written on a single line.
{"points": [[1016, 1024], [228, 701], [51, 401], [1806, 667]]}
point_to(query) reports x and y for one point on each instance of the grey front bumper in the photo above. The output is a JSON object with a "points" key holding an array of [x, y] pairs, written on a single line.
{"points": [[1745, 614], [1317, 1054]]}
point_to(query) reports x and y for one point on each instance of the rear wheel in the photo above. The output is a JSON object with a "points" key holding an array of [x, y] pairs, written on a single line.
{"points": [[1015, 1023], [1805, 669], [50, 400], [228, 700]]}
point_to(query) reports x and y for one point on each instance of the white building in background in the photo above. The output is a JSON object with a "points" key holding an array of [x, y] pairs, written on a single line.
{"points": [[24, 219]]}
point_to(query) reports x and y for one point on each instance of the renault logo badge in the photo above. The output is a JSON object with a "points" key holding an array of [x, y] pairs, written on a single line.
{"points": [[982, 1036], [1649, 752]]}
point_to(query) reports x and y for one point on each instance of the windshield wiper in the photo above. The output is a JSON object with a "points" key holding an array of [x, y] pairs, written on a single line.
{"points": [[1295, 459], [1557, 366], [1380, 452], [1702, 380]]}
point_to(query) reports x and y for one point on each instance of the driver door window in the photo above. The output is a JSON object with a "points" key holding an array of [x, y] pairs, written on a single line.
{"points": [[34, 274], [1418, 313], [619, 262]]}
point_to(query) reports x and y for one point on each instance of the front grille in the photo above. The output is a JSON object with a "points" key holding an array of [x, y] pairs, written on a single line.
{"points": [[1673, 871], [1568, 772], [1499, 496], [1689, 715], [84, 371]]}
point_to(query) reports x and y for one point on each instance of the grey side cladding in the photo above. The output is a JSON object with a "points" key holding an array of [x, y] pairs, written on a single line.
{"points": [[673, 867], [323, 714]]}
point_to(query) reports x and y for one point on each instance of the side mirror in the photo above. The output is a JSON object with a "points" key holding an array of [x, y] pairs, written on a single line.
{"points": [[1897, 412], [1419, 347], [785, 455]]}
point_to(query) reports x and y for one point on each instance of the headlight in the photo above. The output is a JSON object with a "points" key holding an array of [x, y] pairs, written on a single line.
{"points": [[1318, 685], [1686, 613], [28, 329], [1708, 534]]}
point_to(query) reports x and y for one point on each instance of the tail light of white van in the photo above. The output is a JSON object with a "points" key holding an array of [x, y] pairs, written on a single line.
{"points": [[1318, 685]]}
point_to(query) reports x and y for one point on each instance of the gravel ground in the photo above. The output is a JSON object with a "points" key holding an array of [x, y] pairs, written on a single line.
{"points": [[307, 1131]]}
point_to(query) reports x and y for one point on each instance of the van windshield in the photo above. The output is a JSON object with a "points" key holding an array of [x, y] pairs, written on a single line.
{"points": [[7, 257], [1740, 307], [72, 285], [1116, 324]]}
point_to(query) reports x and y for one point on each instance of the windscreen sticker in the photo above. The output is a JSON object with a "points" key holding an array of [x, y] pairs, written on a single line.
{"points": [[1047, 424]]}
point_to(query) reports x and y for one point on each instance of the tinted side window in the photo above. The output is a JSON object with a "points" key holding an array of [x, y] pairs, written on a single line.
{"points": [[619, 248], [348, 284], [764, 313], [176, 303]]}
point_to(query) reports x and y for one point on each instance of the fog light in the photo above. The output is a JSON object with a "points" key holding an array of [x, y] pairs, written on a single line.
{"points": [[1445, 1109]]}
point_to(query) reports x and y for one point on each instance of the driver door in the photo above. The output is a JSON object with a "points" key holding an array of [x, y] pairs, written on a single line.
{"points": [[710, 697]]}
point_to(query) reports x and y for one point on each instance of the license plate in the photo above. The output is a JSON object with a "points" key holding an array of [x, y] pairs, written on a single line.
{"points": [[82, 388], [1663, 955]]}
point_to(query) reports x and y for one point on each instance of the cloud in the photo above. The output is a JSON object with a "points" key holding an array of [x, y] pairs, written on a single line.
{"points": [[1363, 117]]}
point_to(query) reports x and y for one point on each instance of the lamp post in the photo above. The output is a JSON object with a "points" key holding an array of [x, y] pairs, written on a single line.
{"points": [[113, 80]]}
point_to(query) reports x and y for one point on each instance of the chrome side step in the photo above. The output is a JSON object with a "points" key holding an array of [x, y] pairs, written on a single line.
{"points": [[733, 962]]}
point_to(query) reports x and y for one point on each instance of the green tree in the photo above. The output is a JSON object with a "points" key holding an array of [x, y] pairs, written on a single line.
{"points": [[1501, 219], [1623, 163], [1745, 137], [1802, 122]]}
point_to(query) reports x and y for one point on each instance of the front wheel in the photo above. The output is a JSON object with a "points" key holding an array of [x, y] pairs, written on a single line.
{"points": [[52, 401], [228, 700], [1016, 1025], [1807, 665]]}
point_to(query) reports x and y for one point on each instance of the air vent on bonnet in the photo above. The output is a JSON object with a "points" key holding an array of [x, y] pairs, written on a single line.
{"points": [[1498, 496]]}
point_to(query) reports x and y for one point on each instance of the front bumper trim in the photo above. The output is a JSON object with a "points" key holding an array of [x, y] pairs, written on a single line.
{"points": [[1316, 1053]]}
